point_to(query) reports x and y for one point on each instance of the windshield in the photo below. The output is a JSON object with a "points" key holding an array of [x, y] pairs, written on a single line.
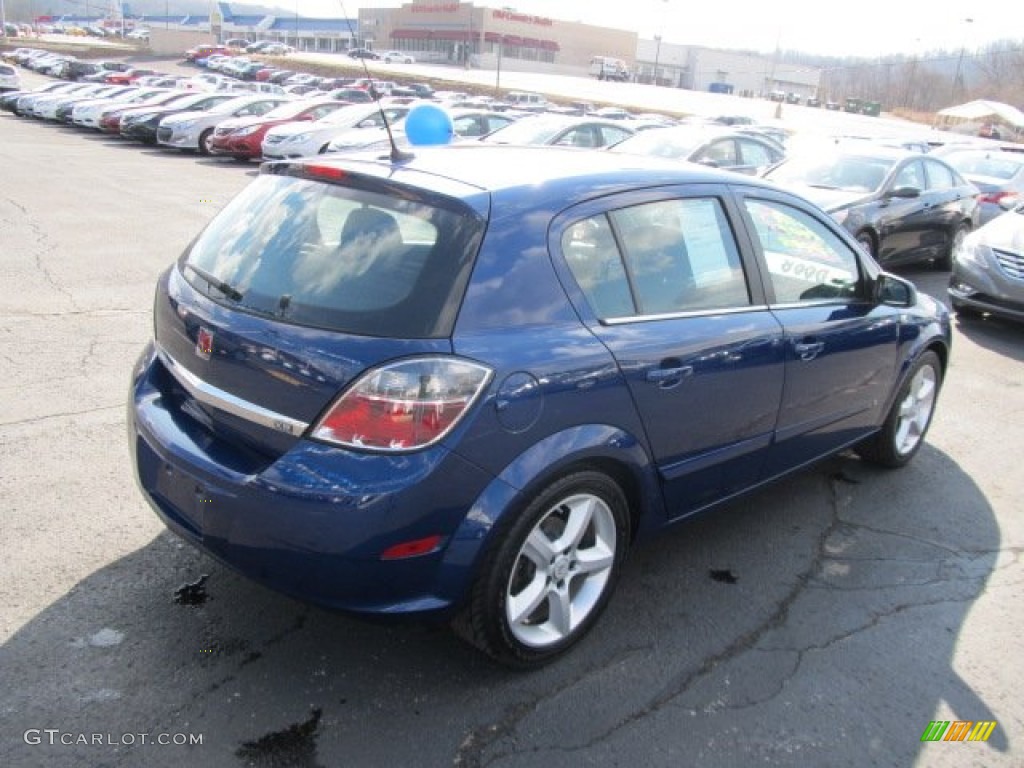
{"points": [[336, 257], [662, 142], [289, 109], [850, 173], [527, 131], [992, 165]]}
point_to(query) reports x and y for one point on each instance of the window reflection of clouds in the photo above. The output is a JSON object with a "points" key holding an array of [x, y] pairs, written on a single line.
{"points": [[281, 236]]}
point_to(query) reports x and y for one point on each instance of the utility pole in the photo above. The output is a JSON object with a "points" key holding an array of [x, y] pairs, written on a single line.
{"points": [[958, 79]]}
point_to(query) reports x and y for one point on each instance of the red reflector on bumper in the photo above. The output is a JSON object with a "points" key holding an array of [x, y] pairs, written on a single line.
{"points": [[411, 548]]}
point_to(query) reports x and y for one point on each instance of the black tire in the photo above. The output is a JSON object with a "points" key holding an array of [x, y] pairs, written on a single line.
{"points": [[945, 261], [904, 430], [560, 600], [204, 139]]}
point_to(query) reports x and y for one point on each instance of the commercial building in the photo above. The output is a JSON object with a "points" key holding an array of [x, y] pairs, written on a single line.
{"points": [[704, 69], [461, 33]]}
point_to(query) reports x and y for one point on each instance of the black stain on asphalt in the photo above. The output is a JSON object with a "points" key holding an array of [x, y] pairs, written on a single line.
{"points": [[724, 576], [193, 593], [294, 747], [842, 477]]}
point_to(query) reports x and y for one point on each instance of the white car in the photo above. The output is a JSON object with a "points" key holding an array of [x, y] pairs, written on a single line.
{"points": [[9, 78], [89, 113], [194, 130], [397, 57], [304, 139]]}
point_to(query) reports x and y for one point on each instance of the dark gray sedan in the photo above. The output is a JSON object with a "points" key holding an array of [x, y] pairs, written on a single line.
{"points": [[988, 269], [901, 206]]}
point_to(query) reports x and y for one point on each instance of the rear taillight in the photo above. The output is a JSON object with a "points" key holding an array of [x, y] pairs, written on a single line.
{"points": [[403, 406], [994, 197]]}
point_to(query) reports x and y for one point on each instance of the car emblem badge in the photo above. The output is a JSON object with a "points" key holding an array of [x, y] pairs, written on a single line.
{"points": [[204, 343]]}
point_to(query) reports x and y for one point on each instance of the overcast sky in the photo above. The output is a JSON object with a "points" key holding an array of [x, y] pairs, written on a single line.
{"points": [[844, 27]]}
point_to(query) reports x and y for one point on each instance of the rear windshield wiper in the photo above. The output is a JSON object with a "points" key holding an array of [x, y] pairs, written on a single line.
{"points": [[226, 288]]}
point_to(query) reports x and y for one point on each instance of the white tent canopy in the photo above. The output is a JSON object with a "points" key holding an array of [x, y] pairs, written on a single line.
{"points": [[981, 109]]}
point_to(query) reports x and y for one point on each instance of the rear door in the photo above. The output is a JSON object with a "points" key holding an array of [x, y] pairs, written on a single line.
{"points": [[660, 280]]}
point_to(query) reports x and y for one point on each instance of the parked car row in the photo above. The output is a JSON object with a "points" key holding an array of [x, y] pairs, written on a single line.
{"points": [[902, 205]]}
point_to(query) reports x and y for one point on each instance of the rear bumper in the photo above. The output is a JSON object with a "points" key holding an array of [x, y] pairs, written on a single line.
{"points": [[313, 522]]}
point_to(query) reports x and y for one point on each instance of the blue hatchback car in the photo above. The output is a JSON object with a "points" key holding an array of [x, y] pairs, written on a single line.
{"points": [[461, 385]]}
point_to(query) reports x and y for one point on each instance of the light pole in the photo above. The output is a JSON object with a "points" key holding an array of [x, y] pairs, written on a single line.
{"points": [[657, 57], [497, 76], [958, 79]]}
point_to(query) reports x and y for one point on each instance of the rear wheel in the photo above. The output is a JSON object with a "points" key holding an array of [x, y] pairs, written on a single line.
{"points": [[206, 142], [549, 576], [945, 262], [904, 429]]}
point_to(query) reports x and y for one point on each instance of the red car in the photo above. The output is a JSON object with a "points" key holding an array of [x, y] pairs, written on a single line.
{"points": [[242, 137], [129, 76], [110, 119]]}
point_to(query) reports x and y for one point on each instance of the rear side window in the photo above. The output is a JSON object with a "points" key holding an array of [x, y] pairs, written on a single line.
{"points": [[337, 257], [659, 258]]}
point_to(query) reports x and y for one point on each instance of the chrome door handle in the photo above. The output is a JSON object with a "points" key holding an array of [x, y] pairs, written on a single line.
{"points": [[808, 350], [669, 377]]}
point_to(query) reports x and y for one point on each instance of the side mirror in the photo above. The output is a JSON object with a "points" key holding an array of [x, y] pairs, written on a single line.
{"points": [[895, 291], [905, 192]]}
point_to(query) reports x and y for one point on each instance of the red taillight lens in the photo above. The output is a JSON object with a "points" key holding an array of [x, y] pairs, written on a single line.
{"points": [[403, 406], [325, 172], [993, 197]]}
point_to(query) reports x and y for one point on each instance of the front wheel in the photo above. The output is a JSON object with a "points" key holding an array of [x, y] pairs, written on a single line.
{"points": [[904, 429], [551, 573], [867, 243]]}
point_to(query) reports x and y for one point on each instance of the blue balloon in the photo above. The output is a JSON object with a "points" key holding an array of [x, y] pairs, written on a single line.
{"points": [[428, 124]]}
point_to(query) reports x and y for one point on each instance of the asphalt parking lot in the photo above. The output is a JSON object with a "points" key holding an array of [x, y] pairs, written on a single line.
{"points": [[822, 622]]}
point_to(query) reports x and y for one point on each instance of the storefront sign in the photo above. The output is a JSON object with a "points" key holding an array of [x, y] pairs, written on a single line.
{"points": [[438, 8], [522, 17]]}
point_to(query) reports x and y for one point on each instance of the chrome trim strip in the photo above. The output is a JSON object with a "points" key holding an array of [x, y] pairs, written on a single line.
{"points": [[623, 320], [236, 406]]}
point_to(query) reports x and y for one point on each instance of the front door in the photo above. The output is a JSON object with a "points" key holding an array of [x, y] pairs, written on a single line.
{"points": [[841, 345]]}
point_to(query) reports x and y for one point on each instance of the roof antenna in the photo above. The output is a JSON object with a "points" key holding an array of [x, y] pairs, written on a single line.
{"points": [[397, 155]]}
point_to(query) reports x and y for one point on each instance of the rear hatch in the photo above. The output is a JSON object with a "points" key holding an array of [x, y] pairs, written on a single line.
{"points": [[300, 284]]}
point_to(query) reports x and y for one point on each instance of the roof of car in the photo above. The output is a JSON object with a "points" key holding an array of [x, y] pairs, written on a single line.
{"points": [[555, 177]]}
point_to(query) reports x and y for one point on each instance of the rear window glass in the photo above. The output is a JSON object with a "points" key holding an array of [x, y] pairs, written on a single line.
{"points": [[336, 257]]}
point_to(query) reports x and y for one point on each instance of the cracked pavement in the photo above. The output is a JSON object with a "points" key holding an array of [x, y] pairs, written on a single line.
{"points": [[866, 603]]}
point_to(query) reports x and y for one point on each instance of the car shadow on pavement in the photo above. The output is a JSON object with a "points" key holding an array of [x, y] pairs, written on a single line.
{"points": [[818, 622], [995, 334]]}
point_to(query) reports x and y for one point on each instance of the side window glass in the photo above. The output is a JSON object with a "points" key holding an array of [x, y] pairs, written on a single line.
{"points": [[612, 135], [681, 256], [806, 260], [593, 257], [723, 153], [939, 176], [755, 154], [911, 175]]}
